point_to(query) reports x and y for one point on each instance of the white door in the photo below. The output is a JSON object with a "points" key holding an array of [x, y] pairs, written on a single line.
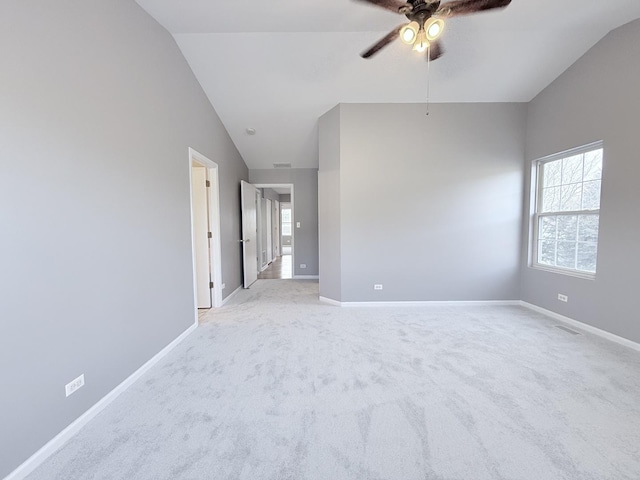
{"points": [[275, 220], [268, 232], [201, 236], [249, 233], [260, 228]]}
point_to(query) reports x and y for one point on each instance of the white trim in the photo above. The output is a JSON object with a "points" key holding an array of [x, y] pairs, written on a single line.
{"points": [[472, 303], [572, 151], [233, 294], [306, 277], [583, 326], [564, 271], [214, 225], [330, 301], [35, 460]]}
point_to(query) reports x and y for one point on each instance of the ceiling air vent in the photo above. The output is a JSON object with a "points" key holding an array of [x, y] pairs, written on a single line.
{"points": [[281, 165]]}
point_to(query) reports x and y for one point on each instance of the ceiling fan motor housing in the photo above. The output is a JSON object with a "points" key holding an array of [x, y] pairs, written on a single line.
{"points": [[422, 10]]}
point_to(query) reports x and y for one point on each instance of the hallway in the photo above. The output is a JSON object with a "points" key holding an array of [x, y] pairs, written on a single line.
{"points": [[280, 269]]}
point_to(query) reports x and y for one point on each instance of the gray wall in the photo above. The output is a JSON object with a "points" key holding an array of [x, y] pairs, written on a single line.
{"points": [[305, 210], [430, 205], [595, 99], [329, 205], [270, 194], [98, 111]]}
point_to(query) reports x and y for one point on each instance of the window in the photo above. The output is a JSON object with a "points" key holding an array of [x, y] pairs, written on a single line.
{"points": [[286, 222], [567, 212]]}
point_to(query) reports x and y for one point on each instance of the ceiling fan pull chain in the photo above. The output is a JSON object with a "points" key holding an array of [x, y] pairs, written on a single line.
{"points": [[428, 75]]}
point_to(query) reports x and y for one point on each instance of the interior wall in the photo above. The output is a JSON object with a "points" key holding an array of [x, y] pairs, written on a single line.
{"points": [[329, 205], [431, 205], [595, 99], [270, 193], [99, 108], [305, 210]]}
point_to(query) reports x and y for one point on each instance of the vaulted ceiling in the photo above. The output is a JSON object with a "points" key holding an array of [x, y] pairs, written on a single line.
{"points": [[277, 65]]}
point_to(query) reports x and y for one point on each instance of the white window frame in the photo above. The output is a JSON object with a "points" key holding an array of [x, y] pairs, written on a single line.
{"points": [[537, 186]]}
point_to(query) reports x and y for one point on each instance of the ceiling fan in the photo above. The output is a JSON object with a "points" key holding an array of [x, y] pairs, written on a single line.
{"points": [[426, 21]]}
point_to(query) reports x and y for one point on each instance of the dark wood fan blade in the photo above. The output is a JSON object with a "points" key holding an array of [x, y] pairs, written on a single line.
{"points": [[390, 37], [465, 7], [397, 6], [436, 50]]}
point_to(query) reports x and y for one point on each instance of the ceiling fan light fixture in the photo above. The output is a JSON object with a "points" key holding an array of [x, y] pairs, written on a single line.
{"points": [[409, 33], [434, 28], [421, 43]]}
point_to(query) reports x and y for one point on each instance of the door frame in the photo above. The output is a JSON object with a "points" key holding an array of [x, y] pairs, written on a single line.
{"points": [[213, 198]]}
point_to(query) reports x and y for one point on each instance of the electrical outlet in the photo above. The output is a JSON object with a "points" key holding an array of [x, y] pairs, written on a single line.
{"points": [[377, 286], [74, 385], [224, 285], [303, 265], [563, 298], [297, 224]]}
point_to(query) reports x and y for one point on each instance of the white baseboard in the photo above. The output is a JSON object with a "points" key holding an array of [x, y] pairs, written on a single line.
{"points": [[583, 326], [65, 435], [233, 294], [306, 277], [330, 301], [472, 303]]}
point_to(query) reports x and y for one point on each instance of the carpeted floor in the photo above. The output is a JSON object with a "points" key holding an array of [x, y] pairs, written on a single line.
{"points": [[276, 385]]}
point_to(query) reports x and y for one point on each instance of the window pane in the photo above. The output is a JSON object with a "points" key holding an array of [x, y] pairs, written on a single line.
{"points": [[566, 254], [547, 252], [571, 197], [286, 215], [568, 227], [547, 228], [551, 173], [591, 195], [572, 169], [588, 228], [593, 165], [587, 256], [551, 199], [286, 229]]}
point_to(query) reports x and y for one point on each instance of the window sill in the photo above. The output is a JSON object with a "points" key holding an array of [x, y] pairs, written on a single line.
{"points": [[564, 271]]}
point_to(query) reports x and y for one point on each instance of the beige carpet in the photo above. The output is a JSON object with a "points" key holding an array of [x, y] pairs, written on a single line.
{"points": [[279, 386]]}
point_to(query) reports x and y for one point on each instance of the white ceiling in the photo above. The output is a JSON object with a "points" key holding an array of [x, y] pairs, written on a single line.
{"points": [[278, 65]]}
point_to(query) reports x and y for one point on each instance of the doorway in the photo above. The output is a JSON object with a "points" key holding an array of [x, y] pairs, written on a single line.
{"points": [[205, 232], [273, 262]]}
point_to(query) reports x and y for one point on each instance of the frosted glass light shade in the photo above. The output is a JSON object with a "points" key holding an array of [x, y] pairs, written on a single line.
{"points": [[434, 28], [409, 33]]}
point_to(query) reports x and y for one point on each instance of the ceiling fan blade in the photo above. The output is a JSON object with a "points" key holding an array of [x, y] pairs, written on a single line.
{"points": [[436, 50], [397, 6], [465, 7], [390, 37]]}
